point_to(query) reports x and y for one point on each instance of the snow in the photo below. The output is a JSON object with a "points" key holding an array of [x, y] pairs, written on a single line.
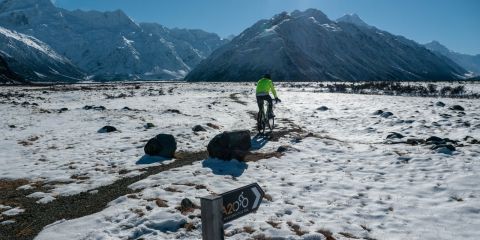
{"points": [[13, 211], [32, 42], [344, 178]]}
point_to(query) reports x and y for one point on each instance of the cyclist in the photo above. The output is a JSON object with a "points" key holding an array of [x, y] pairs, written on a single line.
{"points": [[264, 86]]}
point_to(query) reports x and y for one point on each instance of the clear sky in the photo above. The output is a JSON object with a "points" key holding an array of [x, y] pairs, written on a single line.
{"points": [[455, 23]]}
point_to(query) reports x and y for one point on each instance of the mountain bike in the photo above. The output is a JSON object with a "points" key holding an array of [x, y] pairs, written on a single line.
{"points": [[264, 119]]}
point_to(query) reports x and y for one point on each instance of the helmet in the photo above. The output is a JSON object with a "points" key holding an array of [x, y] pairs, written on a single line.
{"points": [[267, 75]]}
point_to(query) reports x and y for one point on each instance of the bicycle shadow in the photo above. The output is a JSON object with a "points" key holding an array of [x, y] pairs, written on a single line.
{"points": [[259, 141]]}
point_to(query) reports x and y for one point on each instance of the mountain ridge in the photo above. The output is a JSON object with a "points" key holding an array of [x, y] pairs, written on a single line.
{"points": [[307, 46], [110, 45]]}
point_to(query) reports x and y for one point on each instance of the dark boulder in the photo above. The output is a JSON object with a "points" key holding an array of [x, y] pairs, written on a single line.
{"points": [[230, 145], [199, 128], [434, 140], [457, 108], [378, 112], [395, 135], [386, 114], [175, 111], [444, 148], [415, 141], [107, 129], [322, 108], [163, 145], [149, 125], [440, 104]]}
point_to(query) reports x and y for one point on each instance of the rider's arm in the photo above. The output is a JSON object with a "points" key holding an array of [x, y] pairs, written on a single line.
{"points": [[273, 89]]}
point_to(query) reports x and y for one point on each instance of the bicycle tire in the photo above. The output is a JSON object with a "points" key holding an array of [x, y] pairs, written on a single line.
{"points": [[271, 123], [260, 123]]}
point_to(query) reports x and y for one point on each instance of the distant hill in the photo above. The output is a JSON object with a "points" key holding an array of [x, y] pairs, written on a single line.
{"points": [[469, 62], [307, 46]]}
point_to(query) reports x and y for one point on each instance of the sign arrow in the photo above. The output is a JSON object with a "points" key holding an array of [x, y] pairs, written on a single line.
{"points": [[242, 201], [257, 197]]}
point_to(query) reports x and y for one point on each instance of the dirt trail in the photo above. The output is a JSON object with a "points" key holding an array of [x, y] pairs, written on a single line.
{"points": [[36, 216]]}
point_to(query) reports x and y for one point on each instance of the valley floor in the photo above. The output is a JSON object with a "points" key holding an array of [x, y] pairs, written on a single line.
{"points": [[339, 178]]}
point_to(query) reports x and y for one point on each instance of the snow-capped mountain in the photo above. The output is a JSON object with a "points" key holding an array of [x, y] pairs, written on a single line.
{"points": [[34, 60], [469, 62], [110, 45], [354, 19], [307, 46]]}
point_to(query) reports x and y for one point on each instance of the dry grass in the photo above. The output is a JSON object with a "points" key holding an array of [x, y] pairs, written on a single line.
{"points": [[296, 229], [327, 233], [161, 203], [348, 235], [274, 224]]}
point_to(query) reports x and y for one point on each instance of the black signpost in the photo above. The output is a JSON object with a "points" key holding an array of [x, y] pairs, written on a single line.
{"points": [[226, 207]]}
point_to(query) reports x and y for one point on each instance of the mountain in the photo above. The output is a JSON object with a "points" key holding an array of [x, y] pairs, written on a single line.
{"points": [[469, 62], [307, 46], [35, 60], [354, 19], [7, 76], [109, 45]]}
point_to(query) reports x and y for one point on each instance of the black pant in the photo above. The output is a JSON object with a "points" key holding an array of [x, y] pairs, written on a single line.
{"points": [[267, 98]]}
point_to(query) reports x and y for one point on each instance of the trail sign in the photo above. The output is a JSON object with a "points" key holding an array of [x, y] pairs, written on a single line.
{"points": [[242, 201], [219, 209]]}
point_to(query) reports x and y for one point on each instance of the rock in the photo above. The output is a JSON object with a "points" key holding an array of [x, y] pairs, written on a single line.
{"points": [[100, 108], [107, 129], [12, 126], [283, 148], [173, 111], [322, 108], [395, 135], [471, 140], [88, 107], [126, 109], [199, 128], [163, 145], [410, 121], [457, 108], [386, 114], [378, 112], [149, 125], [187, 203], [444, 148], [61, 110], [230, 145], [415, 141], [440, 104], [434, 140]]}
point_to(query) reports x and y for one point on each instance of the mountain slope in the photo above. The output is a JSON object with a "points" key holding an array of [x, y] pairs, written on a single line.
{"points": [[7, 76], [469, 62], [109, 45], [34, 60], [307, 46]]}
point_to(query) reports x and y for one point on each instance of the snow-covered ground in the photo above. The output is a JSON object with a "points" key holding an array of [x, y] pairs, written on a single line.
{"points": [[344, 178]]}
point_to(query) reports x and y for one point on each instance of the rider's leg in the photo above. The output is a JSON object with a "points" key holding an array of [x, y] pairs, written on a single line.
{"points": [[260, 103], [270, 106]]}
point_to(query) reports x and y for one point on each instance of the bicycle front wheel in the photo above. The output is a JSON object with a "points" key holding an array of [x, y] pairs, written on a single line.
{"points": [[271, 123]]}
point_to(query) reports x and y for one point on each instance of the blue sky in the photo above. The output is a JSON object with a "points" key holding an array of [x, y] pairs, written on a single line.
{"points": [[455, 23]]}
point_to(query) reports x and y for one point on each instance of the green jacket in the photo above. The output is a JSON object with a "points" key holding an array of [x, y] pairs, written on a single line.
{"points": [[264, 86]]}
